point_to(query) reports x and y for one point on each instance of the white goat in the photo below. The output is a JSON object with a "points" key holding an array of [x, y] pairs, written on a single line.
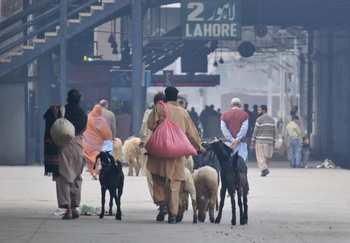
{"points": [[117, 152], [134, 155]]}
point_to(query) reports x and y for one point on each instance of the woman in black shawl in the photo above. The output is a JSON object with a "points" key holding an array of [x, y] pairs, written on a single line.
{"points": [[66, 164]]}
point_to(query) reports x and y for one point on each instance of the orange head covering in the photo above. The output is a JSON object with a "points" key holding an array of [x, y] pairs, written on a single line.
{"points": [[97, 110]]}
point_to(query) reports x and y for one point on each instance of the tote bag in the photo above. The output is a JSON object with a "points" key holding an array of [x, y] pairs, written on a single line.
{"points": [[168, 140], [62, 131]]}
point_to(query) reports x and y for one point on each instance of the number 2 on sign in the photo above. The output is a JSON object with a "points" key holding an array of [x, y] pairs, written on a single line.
{"points": [[198, 9]]}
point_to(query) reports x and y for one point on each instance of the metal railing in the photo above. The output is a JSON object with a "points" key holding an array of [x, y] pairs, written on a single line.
{"points": [[46, 16]]}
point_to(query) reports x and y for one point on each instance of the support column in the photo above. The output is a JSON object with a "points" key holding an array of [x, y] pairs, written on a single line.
{"points": [[269, 89], [137, 103], [63, 51], [310, 79], [330, 93], [45, 71]]}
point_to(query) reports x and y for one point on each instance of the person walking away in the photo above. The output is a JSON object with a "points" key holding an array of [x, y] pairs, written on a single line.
{"points": [[213, 121], [264, 139], [293, 133], [234, 127], [287, 120], [66, 164], [251, 124], [305, 150], [254, 114], [145, 134], [124, 123], [195, 119], [109, 116], [96, 132], [203, 118], [171, 169]]}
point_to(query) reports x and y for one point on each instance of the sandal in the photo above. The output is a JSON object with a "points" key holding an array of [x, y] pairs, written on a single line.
{"points": [[66, 216], [75, 214]]}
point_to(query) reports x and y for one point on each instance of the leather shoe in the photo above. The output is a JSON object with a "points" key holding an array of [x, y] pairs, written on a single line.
{"points": [[172, 218], [163, 210]]}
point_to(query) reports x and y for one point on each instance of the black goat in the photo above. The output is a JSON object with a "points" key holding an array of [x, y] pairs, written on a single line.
{"points": [[233, 178], [112, 179]]}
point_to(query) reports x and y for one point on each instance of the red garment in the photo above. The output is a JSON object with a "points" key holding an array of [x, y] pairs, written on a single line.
{"points": [[234, 119]]}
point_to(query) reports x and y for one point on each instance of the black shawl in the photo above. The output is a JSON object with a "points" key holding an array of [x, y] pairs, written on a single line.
{"points": [[76, 115]]}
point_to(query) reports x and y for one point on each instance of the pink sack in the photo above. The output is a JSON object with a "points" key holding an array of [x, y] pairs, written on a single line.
{"points": [[168, 140]]}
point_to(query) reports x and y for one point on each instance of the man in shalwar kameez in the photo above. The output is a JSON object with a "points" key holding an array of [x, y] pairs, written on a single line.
{"points": [[172, 169]]}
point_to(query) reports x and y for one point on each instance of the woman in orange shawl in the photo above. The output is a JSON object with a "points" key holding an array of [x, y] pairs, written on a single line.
{"points": [[97, 131]]}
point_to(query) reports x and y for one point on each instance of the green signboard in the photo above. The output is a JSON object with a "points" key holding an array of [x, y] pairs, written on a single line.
{"points": [[211, 19]]}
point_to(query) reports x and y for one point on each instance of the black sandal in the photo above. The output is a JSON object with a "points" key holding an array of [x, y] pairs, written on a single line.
{"points": [[75, 214], [66, 216]]}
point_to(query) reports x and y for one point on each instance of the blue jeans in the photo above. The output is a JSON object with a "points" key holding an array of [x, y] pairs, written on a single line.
{"points": [[306, 154], [295, 152]]}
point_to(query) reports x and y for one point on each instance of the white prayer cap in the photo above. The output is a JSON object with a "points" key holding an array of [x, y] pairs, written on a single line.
{"points": [[236, 101]]}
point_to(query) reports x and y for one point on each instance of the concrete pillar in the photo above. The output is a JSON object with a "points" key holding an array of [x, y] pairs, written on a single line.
{"points": [[137, 93]]}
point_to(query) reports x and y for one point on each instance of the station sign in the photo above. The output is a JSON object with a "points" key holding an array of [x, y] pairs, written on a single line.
{"points": [[211, 20]]}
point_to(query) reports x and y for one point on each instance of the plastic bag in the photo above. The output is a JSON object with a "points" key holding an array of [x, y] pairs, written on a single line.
{"points": [[62, 131], [88, 210], [107, 145], [168, 140]]}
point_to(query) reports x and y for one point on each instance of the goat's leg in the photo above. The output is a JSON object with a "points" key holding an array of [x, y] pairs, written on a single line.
{"points": [[222, 202], [131, 168], [194, 207], [202, 211], [118, 215], [103, 194], [193, 196], [245, 204], [216, 199], [212, 202], [111, 196], [137, 166], [239, 201], [231, 191]]}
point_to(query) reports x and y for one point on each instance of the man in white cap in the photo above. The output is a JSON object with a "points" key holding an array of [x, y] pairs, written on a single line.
{"points": [[234, 127]]}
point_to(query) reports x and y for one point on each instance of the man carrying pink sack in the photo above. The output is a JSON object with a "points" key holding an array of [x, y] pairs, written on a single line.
{"points": [[174, 168]]}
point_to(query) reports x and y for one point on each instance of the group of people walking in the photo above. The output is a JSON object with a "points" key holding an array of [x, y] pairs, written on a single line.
{"points": [[66, 164]]}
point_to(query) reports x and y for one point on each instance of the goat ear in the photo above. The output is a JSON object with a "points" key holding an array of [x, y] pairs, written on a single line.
{"points": [[235, 156], [97, 157]]}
